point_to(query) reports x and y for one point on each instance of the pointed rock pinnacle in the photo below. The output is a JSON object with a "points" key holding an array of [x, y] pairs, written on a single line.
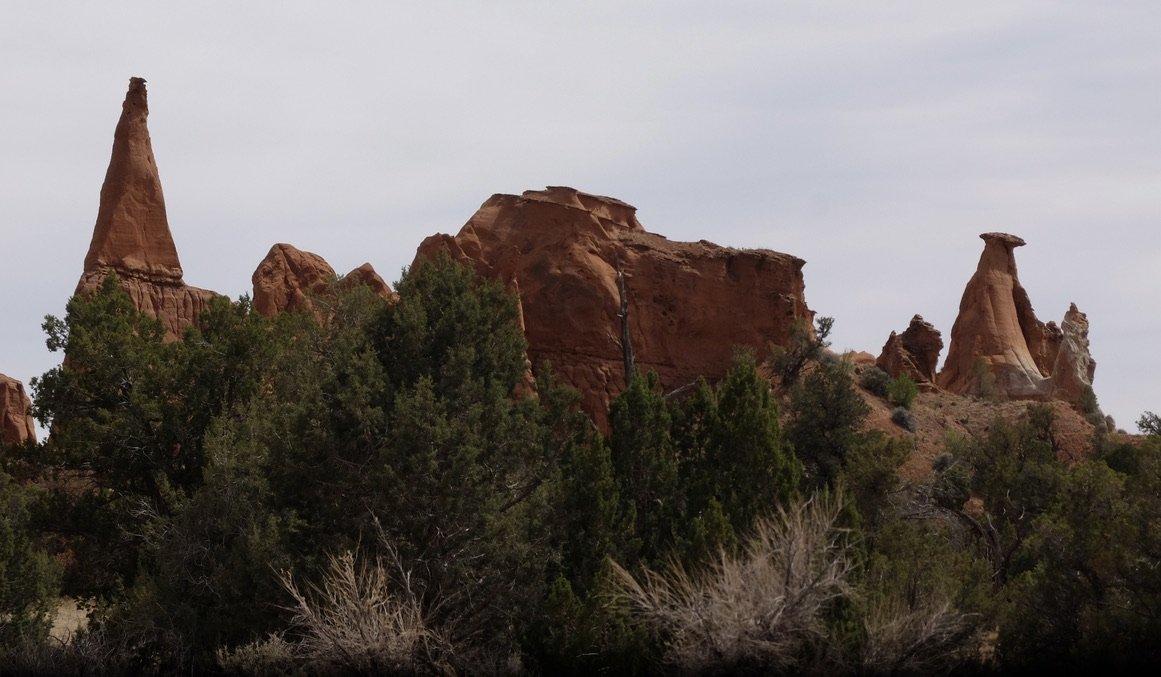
{"points": [[132, 231]]}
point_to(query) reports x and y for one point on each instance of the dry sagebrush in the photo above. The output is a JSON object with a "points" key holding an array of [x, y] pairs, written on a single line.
{"points": [[761, 608], [359, 619]]}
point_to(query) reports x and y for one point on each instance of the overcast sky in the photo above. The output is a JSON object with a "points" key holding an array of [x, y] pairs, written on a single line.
{"points": [[876, 140]]}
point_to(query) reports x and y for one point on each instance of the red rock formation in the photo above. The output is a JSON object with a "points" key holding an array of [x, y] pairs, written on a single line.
{"points": [[690, 304], [997, 333], [915, 352], [366, 275], [288, 277], [1074, 367], [16, 426], [131, 236]]}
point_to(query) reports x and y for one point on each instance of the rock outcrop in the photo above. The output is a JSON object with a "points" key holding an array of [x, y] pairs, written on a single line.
{"points": [[16, 426], [287, 278], [131, 237], [366, 276], [997, 336], [690, 304], [1073, 368], [915, 352]]}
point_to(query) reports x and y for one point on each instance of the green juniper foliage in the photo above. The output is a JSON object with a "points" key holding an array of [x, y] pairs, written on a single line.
{"points": [[380, 484]]}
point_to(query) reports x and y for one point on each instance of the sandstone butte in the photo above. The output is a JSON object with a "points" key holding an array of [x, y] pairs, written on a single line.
{"points": [[691, 305], [288, 277], [16, 424], [997, 334], [131, 236]]}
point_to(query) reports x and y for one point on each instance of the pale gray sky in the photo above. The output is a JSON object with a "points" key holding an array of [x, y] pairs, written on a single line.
{"points": [[876, 140]]}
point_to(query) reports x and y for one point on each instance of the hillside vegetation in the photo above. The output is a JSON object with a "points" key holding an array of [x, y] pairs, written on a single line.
{"points": [[373, 487]]}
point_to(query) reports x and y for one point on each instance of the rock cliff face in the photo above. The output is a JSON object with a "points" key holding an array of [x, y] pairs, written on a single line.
{"points": [[131, 236], [287, 277], [16, 424], [915, 352], [997, 335], [690, 304]]}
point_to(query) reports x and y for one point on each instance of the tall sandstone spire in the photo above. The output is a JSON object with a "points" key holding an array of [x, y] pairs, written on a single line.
{"points": [[132, 231], [131, 237], [997, 334]]}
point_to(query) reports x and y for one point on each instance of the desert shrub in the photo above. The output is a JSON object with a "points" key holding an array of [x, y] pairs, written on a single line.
{"points": [[1149, 424], [902, 417], [953, 479], [875, 381], [805, 344], [362, 618], [28, 576], [923, 600], [901, 391], [1091, 409], [826, 420], [761, 608]]}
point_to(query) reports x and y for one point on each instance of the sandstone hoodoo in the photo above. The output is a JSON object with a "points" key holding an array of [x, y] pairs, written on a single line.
{"points": [[915, 352], [690, 304], [16, 426], [288, 276], [131, 236], [997, 336]]}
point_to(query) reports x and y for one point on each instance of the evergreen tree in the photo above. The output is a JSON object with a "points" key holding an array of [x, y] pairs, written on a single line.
{"points": [[826, 418], [28, 576], [646, 467], [735, 465]]}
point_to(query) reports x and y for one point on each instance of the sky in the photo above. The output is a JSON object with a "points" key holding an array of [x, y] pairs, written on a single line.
{"points": [[875, 140]]}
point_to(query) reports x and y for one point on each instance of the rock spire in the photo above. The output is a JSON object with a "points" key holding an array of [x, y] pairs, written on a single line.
{"points": [[132, 230], [131, 237], [996, 336]]}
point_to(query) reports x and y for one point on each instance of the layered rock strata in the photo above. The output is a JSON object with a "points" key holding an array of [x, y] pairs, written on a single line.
{"points": [[915, 352], [16, 425], [690, 304], [997, 336], [288, 277], [131, 237]]}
